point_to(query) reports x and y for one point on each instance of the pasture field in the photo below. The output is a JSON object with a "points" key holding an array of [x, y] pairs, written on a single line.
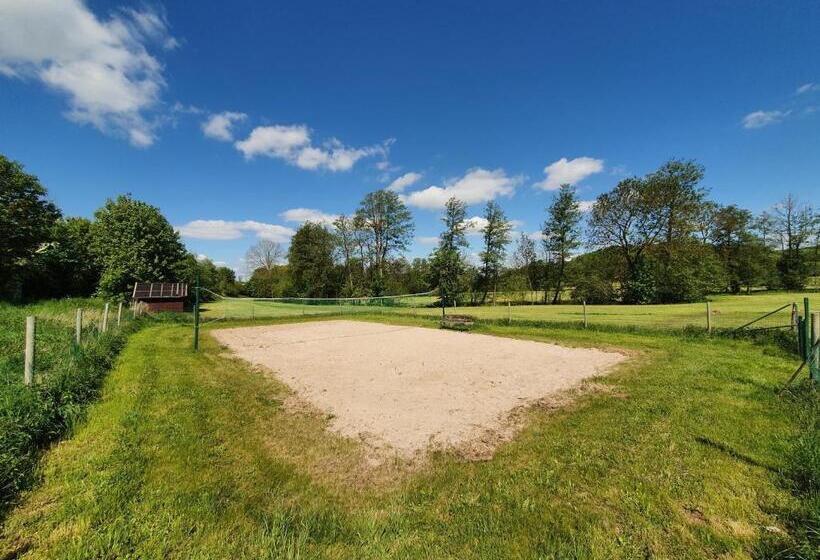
{"points": [[728, 311], [685, 451]]}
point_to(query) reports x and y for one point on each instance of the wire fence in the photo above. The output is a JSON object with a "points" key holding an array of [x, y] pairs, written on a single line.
{"points": [[42, 335]]}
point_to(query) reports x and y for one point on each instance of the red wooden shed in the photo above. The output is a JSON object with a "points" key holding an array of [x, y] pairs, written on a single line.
{"points": [[161, 296]]}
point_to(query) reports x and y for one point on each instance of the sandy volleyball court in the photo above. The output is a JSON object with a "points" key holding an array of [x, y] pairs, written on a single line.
{"points": [[408, 388]]}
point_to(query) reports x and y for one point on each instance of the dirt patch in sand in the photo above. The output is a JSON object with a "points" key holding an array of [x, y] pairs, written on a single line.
{"points": [[409, 389]]}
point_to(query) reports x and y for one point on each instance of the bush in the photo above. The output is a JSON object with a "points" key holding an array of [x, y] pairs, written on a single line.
{"points": [[593, 290]]}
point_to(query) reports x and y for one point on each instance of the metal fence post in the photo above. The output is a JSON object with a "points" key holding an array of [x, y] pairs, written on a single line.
{"points": [[28, 370], [806, 338]]}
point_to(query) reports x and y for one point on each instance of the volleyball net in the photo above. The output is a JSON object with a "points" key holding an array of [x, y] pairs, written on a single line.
{"points": [[216, 306]]}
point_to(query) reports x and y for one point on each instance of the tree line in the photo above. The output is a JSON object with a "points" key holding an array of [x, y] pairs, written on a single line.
{"points": [[657, 238], [46, 255]]}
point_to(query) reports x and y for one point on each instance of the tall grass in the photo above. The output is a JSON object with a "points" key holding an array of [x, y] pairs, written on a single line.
{"points": [[66, 380]]}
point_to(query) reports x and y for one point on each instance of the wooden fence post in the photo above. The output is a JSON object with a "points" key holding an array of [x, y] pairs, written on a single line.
{"points": [[28, 371], [78, 327], [119, 315], [586, 322], [105, 319], [708, 317], [509, 312], [815, 328]]}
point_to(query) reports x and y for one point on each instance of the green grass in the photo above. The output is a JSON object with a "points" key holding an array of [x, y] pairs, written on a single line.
{"points": [[728, 311], [65, 381], [685, 455]]}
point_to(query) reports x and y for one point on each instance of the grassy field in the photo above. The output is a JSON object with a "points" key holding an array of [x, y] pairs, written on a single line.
{"points": [[685, 452], [728, 311]]}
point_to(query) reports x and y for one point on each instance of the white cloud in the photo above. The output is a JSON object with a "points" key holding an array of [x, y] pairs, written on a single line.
{"points": [[427, 239], [477, 185], [536, 235], [103, 66], [226, 230], [806, 88], [302, 215], [759, 119], [476, 224], [586, 205], [293, 145], [401, 183], [219, 125], [569, 171]]}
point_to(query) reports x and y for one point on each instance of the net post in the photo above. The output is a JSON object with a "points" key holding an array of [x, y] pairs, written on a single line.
{"points": [[708, 317], [196, 314], [806, 319], [814, 366]]}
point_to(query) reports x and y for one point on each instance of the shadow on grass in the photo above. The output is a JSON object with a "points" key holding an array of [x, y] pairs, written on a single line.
{"points": [[743, 458]]}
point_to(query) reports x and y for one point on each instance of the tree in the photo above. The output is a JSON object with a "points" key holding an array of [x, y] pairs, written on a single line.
{"points": [[679, 198], [134, 242], [347, 242], [795, 223], [676, 191], [310, 261], [387, 228], [66, 265], [447, 264], [562, 234], [525, 258], [265, 254], [496, 234], [628, 218], [26, 219], [742, 254]]}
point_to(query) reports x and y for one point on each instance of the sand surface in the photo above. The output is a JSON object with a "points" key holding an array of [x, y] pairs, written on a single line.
{"points": [[411, 388]]}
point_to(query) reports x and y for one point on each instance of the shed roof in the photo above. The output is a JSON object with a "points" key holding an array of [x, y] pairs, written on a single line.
{"points": [[160, 290]]}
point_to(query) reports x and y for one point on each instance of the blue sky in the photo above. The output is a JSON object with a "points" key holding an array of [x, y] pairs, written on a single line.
{"points": [[240, 119]]}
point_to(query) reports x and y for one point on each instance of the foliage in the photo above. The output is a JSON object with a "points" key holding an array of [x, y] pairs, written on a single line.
{"points": [[26, 219], [795, 223], [386, 227], [496, 236], [66, 382], [64, 267], [216, 279], [593, 290], [269, 283], [447, 263], [134, 243], [561, 235], [310, 261]]}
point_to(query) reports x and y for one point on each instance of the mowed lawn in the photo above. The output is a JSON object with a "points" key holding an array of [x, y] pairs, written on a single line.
{"points": [[728, 311], [677, 454]]}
